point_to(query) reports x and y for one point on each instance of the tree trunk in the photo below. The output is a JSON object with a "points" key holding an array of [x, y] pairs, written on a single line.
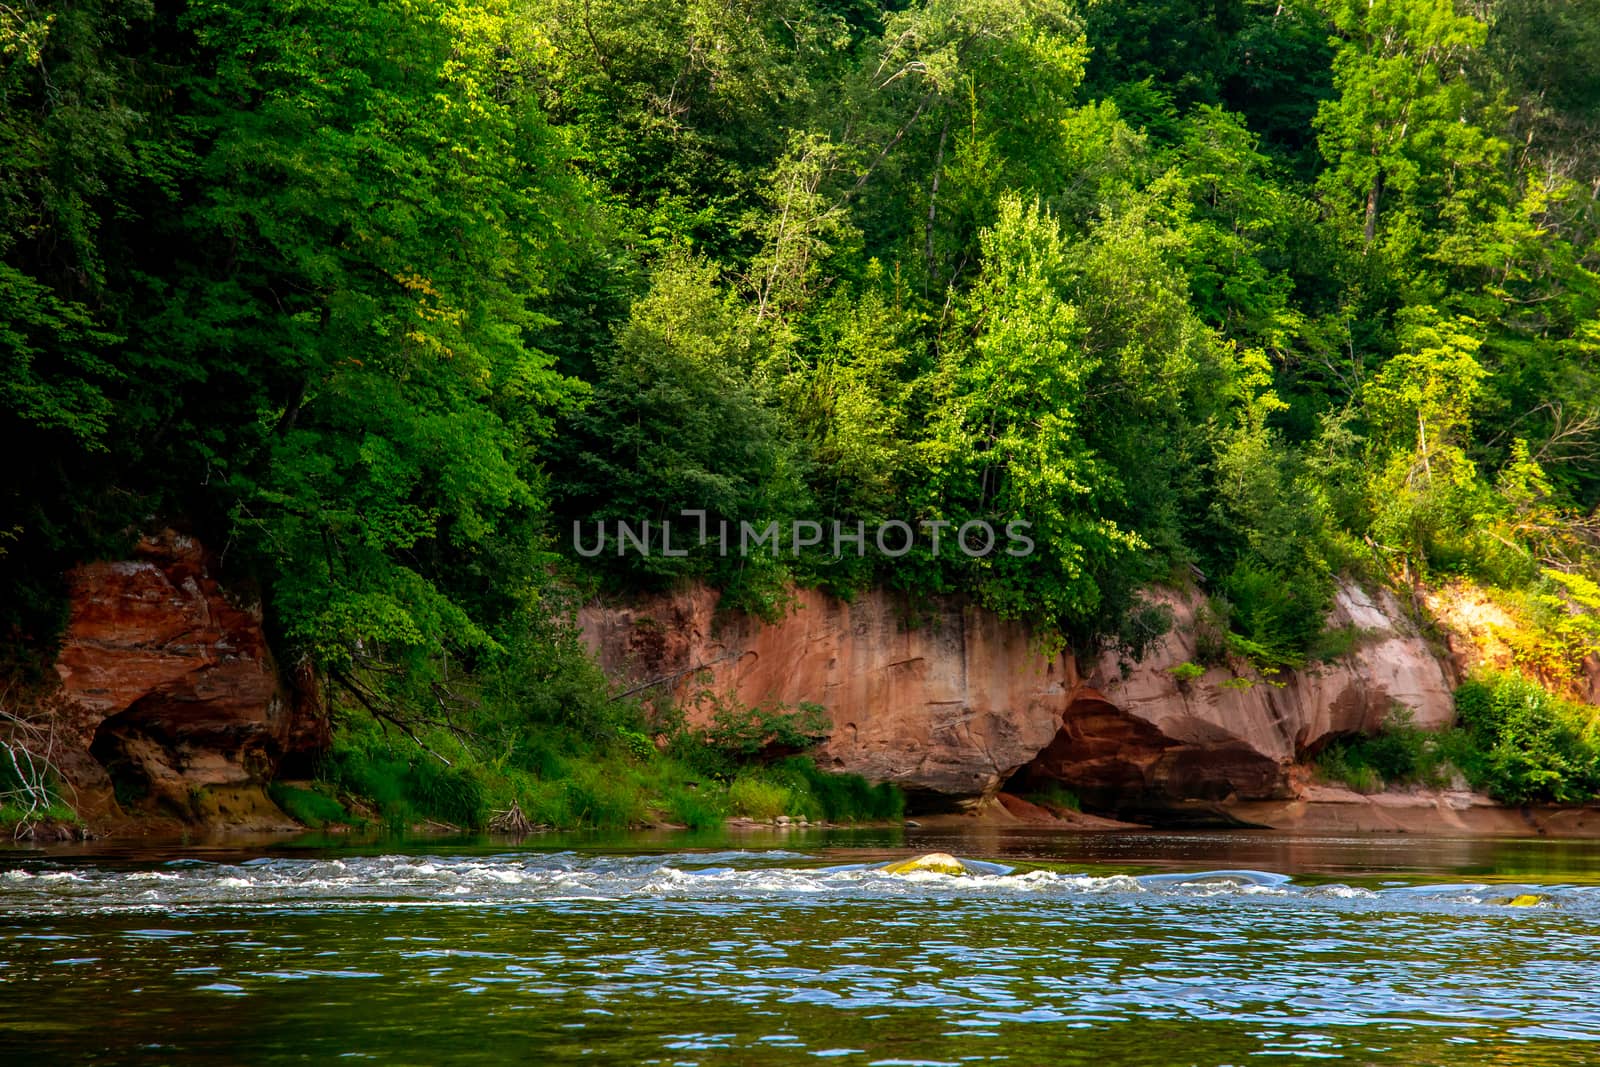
{"points": [[1372, 206]]}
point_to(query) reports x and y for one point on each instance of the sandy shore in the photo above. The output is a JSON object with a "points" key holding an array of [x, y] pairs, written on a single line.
{"points": [[1331, 809], [1322, 809]]}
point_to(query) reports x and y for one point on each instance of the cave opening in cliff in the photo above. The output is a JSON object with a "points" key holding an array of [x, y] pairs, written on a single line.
{"points": [[115, 747], [145, 758], [1108, 762], [930, 802]]}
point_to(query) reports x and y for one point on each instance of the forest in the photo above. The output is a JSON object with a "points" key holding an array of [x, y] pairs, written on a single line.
{"points": [[381, 298]]}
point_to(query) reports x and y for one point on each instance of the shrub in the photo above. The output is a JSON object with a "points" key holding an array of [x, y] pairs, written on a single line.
{"points": [[739, 736], [637, 744], [548, 804], [597, 797], [1186, 672], [695, 808], [307, 806], [1532, 746], [1398, 754], [1275, 616], [567, 778], [547, 681], [447, 794], [758, 799], [1055, 795], [837, 797], [766, 729], [1516, 742], [1335, 643], [1337, 765], [407, 786]]}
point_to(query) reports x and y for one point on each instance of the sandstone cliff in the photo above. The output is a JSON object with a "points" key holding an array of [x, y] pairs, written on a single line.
{"points": [[952, 703], [170, 702]]}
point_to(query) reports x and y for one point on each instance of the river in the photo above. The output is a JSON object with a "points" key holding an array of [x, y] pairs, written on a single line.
{"points": [[791, 948]]}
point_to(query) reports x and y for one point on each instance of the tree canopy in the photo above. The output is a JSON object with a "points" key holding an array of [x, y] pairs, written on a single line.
{"points": [[382, 298]]}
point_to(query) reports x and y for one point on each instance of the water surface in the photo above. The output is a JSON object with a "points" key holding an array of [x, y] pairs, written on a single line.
{"points": [[769, 949]]}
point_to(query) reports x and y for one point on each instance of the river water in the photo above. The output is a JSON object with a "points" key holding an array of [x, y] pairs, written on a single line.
{"points": [[769, 948]]}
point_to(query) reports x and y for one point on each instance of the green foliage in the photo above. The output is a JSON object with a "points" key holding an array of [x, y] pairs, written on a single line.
{"points": [[1006, 442], [546, 681], [566, 783], [838, 798], [1055, 795], [593, 797], [308, 806], [1337, 765], [378, 299], [1335, 643], [1186, 672], [1531, 746], [741, 734], [1274, 616], [17, 821], [1402, 135], [1515, 740], [678, 421], [758, 799], [638, 745], [405, 784], [1398, 754], [694, 809]]}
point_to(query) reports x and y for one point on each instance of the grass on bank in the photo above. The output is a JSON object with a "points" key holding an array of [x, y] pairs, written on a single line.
{"points": [[1513, 739], [16, 820], [30, 793], [1054, 795], [565, 780], [312, 807]]}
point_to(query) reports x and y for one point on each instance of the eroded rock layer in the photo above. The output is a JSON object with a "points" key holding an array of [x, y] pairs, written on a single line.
{"points": [[951, 703], [947, 701], [170, 701]]}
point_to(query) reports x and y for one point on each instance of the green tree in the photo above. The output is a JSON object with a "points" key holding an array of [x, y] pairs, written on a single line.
{"points": [[79, 160], [1420, 404], [1007, 442], [680, 420], [360, 255], [1405, 137]]}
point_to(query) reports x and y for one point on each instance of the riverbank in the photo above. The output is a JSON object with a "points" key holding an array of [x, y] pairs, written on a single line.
{"points": [[960, 711], [1326, 809], [1321, 810]]}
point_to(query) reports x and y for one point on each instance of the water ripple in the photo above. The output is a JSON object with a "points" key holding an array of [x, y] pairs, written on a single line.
{"points": [[741, 957]]}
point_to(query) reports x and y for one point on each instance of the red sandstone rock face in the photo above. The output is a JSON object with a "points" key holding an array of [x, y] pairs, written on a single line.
{"points": [[957, 702], [168, 688], [949, 703], [1140, 736]]}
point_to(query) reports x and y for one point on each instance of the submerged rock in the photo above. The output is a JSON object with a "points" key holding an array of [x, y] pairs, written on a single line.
{"points": [[932, 863]]}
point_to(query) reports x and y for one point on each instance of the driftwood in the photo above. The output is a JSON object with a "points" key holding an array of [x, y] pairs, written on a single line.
{"points": [[512, 821], [27, 766]]}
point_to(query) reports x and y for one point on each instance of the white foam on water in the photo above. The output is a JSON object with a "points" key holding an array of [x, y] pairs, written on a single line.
{"points": [[530, 878]]}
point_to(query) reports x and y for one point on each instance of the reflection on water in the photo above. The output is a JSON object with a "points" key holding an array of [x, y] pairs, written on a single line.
{"points": [[1137, 949]]}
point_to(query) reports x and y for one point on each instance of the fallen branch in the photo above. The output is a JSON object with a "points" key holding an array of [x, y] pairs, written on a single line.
{"points": [[512, 821], [27, 748], [675, 675], [371, 702]]}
